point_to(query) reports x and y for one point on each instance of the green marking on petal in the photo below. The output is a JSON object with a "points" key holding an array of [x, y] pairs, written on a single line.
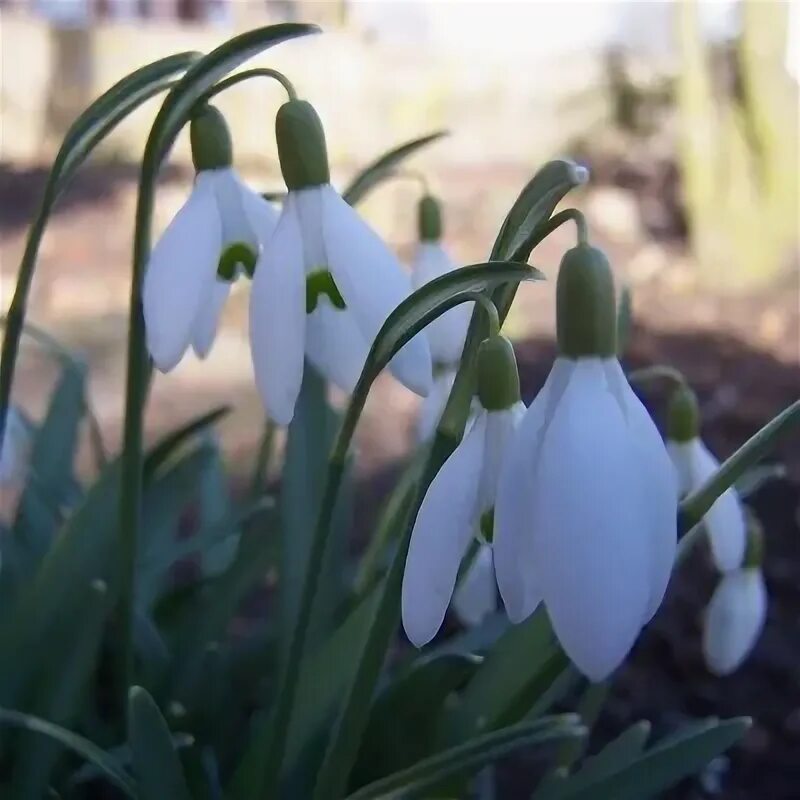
{"points": [[233, 256], [487, 525], [321, 282]]}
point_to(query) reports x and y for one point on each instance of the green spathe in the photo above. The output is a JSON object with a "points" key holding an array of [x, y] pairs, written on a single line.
{"points": [[301, 146], [429, 219], [683, 415], [211, 140], [498, 376], [586, 318]]}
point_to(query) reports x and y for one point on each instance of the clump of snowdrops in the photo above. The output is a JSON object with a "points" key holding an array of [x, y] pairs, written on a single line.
{"points": [[552, 528]]}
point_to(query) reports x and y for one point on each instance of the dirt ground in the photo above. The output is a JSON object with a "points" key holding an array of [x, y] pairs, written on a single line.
{"points": [[740, 353]]}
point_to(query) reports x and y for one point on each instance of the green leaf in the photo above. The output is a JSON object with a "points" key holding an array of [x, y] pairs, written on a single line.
{"points": [[50, 487], [402, 726], [203, 74], [104, 762], [154, 758], [64, 672], [384, 167], [309, 441], [501, 692], [660, 767], [694, 507], [527, 219], [468, 758]]}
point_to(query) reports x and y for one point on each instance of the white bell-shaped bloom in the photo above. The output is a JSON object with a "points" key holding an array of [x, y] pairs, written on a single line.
{"points": [[734, 619], [476, 594], [183, 292], [15, 449], [725, 521], [585, 517], [461, 493], [433, 405], [323, 287], [447, 333]]}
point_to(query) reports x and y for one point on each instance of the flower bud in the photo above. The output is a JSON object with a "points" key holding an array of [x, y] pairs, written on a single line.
{"points": [[301, 146], [498, 376], [586, 319], [683, 415], [210, 139], [429, 219]]}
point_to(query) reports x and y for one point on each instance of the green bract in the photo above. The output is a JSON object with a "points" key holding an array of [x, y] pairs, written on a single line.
{"points": [[586, 317], [301, 146]]}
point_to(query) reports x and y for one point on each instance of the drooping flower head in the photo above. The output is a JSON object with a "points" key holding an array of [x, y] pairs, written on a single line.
{"points": [[447, 333], [214, 237], [460, 500], [737, 611], [325, 282], [585, 518], [725, 521]]}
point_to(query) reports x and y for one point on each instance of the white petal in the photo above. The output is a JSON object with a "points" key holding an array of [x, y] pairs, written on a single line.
{"points": [[500, 427], [335, 345], [447, 333], [278, 318], [476, 594], [261, 215], [434, 404], [373, 284], [734, 619], [725, 520], [657, 485], [205, 325], [594, 561], [515, 562], [181, 267], [15, 449], [442, 532], [236, 225]]}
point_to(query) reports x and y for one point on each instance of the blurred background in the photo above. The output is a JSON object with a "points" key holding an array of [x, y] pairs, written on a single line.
{"points": [[685, 111]]}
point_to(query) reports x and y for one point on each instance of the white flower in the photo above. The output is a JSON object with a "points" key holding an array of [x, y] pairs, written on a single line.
{"points": [[476, 594], [449, 517], [725, 520], [183, 292], [734, 619], [15, 449], [323, 256], [446, 334], [433, 405], [585, 517]]}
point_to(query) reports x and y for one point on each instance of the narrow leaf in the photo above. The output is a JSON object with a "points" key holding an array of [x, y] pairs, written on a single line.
{"points": [[155, 760], [104, 762], [383, 167]]}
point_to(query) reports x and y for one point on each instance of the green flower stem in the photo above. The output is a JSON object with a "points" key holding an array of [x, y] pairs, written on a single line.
{"points": [[15, 319], [257, 72], [556, 221], [412, 175], [658, 372], [694, 507], [261, 466]]}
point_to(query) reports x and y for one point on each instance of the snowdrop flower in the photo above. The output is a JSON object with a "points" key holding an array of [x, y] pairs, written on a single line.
{"points": [[694, 464], [15, 448], [586, 510], [433, 405], [215, 236], [445, 334], [736, 613], [325, 282], [476, 595], [461, 497]]}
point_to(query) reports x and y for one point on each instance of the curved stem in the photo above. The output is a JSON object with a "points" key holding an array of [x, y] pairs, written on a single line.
{"points": [[542, 232], [490, 312], [257, 72], [414, 175]]}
